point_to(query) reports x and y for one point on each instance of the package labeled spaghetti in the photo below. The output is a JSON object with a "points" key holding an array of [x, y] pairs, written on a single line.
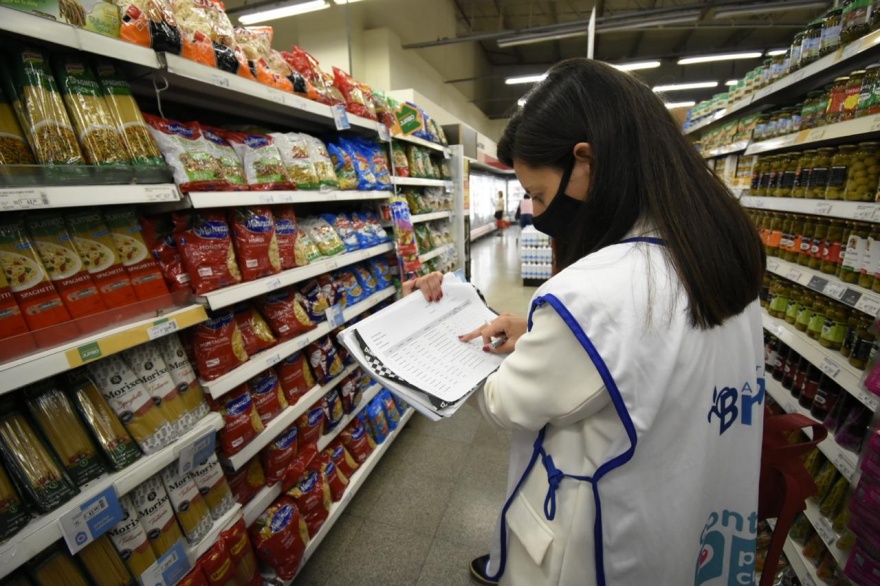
{"points": [[255, 332], [295, 246], [322, 161], [188, 386], [285, 314], [131, 402], [189, 506], [295, 156], [268, 397], [218, 345], [103, 564], [263, 167], [14, 149], [142, 268], [295, 376], [66, 269], [98, 252], [12, 324], [187, 153], [230, 165], [35, 469], [156, 515], [340, 456], [130, 539], [147, 364], [278, 455], [310, 425], [256, 246], [248, 481], [13, 513], [213, 486], [114, 440], [247, 572], [54, 566], [280, 535], [57, 419], [241, 418]]}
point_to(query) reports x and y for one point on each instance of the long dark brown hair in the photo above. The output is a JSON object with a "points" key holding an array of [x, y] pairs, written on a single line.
{"points": [[643, 168]]}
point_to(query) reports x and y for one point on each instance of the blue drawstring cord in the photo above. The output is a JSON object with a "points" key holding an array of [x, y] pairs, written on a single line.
{"points": [[554, 479]]}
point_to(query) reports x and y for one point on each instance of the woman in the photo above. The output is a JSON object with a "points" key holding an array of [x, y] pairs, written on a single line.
{"points": [[635, 386], [499, 211], [526, 209]]}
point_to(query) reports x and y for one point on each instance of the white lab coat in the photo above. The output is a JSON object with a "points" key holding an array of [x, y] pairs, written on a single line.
{"points": [[664, 420]]}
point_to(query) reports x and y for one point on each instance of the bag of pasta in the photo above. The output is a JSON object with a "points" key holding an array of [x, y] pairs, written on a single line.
{"points": [[14, 515], [285, 314], [187, 153], [355, 100], [247, 573], [255, 332], [130, 539], [195, 31], [263, 167], [242, 422], [149, 23], [361, 158], [335, 480], [276, 457], [378, 163], [14, 147], [340, 456], [295, 246], [324, 167], [206, 248], [295, 377], [280, 535], [295, 156], [54, 566], [156, 515], [311, 493], [158, 232], [256, 246], [324, 236], [310, 425], [184, 377], [230, 165], [217, 565], [331, 403], [269, 399], [325, 362], [343, 166], [248, 481], [189, 506], [354, 293], [196, 576], [218, 345], [214, 488], [334, 292], [305, 64], [311, 296], [103, 563], [229, 55], [399, 160], [357, 441]]}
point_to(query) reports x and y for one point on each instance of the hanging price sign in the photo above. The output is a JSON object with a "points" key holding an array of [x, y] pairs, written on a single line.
{"points": [[340, 117]]}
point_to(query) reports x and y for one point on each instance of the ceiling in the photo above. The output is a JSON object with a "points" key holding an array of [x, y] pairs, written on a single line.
{"points": [[627, 31]]}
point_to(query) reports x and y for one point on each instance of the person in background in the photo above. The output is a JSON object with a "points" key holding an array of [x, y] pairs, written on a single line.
{"points": [[499, 211], [634, 389], [525, 211]]}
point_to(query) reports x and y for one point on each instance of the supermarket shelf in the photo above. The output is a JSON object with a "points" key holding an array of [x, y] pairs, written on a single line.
{"points": [[848, 210], [29, 198], [844, 460], [432, 216], [480, 166], [45, 530], [214, 199], [829, 285], [421, 142], [826, 532], [260, 503], [416, 182], [263, 360], [483, 230], [243, 291], [34, 367], [804, 569], [284, 420], [828, 361], [736, 147], [435, 253], [222, 524], [848, 130], [368, 396]]}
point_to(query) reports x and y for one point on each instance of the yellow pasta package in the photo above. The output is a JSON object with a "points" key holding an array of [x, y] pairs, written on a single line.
{"points": [[131, 402], [147, 364], [103, 563], [130, 539], [57, 419], [54, 567], [212, 483], [13, 513], [189, 506], [157, 517], [183, 375]]}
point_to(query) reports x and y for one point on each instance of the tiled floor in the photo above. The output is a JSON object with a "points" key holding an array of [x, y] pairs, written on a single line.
{"points": [[430, 505]]}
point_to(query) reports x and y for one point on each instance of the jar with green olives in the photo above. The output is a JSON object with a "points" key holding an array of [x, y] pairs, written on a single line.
{"points": [[831, 26], [802, 173], [817, 318], [836, 100], [832, 247], [787, 166], [796, 235], [755, 181], [761, 177], [852, 94], [811, 108], [864, 343], [774, 236], [839, 172], [864, 172], [871, 261], [874, 21], [819, 170], [779, 292], [812, 43], [817, 244], [869, 98], [795, 51], [760, 132], [834, 328], [805, 311], [806, 248], [856, 20], [794, 305], [849, 339], [854, 256], [787, 235]]}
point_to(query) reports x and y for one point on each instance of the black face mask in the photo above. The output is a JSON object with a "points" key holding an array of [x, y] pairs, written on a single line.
{"points": [[558, 216]]}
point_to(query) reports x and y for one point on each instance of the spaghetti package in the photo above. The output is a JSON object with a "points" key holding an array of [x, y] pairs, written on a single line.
{"points": [[13, 512], [57, 419], [355, 100], [343, 460], [158, 232], [311, 296], [269, 399], [218, 345], [189, 506], [147, 364], [295, 247], [15, 144], [156, 515], [242, 422], [263, 167], [325, 362], [285, 314], [142, 268], [335, 480], [310, 425], [357, 441], [114, 440], [322, 161], [255, 332], [256, 246], [277, 456], [130, 539], [188, 386], [342, 224], [295, 377], [295, 156], [103, 563], [214, 488], [217, 565], [343, 166], [230, 165], [144, 420], [35, 469], [205, 245], [280, 535], [53, 566], [187, 153], [247, 572], [324, 236], [248, 481], [12, 324]]}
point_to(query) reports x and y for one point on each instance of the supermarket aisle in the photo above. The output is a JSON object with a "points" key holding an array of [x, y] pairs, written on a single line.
{"points": [[430, 506]]}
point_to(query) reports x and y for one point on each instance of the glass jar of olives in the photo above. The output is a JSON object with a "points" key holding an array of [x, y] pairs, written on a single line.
{"points": [[817, 318], [802, 173], [812, 43], [805, 252], [834, 328], [836, 100], [856, 20], [864, 172], [831, 26], [852, 93], [811, 109], [874, 21], [780, 292], [869, 98], [819, 171], [794, 239], [795, 51], [864, 343], [774, 235], [832, 247], [856, 250], [837, 176], [786, 171], [805, 311], [871, 261], [817, 244], [794, 304]]}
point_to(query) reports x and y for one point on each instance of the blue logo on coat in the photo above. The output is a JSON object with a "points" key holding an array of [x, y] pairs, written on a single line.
{"points": [[730, 404]]}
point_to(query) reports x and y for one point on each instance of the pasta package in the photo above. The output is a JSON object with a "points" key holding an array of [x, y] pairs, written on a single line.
{"points": [[348, 391], [218, 345], [32, 465], [255, 332], [103, 563], [230, 165], [12, 324], [247, 572], [343, 166], [324, 360], [156, 515], [126, 116], [56, 417], [269, 399], [248, 481], [196, 576], [147, 364], [263, 167], [187, 153], [324, 236], [204, 242], [335, 480], [357, 441], [333, 410], [312, 497], [130, 539], [217, 565], [278, 455], [14, 149], [311, 296], [295, 377], [95, 127], [242, 421], [41, 109], [285, 314], [295, 247], [280, 535], [142, 268], [13, 512], [295, 156], [98, 252], [116, 443], [355, 100], [342, 225], [195, 28], [213, 486], [53, 567], [256, 246], [158, 233], [343, 460], [310, 425], [354, 293], [184, 377], [304, 63], [377, 423], [323, 163], [189, 506], [131, 402]]}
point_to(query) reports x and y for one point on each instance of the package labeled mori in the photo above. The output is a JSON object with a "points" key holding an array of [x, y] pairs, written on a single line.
{"points": [[156, 514], [130, 539], [184, 377], [147, 364], [189, 506], [213, 486]]}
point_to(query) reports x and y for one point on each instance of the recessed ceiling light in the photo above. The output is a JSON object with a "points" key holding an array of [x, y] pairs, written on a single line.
{"points": [[726, 57], [525, 79], [685, 86], [282, 10]]}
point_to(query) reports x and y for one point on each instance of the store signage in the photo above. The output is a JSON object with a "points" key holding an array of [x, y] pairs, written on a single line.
{"points": [[196, 452], [168, 569], [340, 117], [90, 520]]}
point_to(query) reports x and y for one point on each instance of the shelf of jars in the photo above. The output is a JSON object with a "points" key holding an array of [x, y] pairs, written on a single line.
{"points": [[730, 149], [846, 210], [828, 285], [826, 532], [855, 128], [804, 570]]}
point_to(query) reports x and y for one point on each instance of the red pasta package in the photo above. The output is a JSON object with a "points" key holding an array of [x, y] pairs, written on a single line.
{"points": [[333, 411], [312, 495], [334, 292], [357, 441], [310, 424], [325, 362], [159, 235], [340, 456], [295, 376], [256, 246], [280, 536], [268, 397], [307, 66], [335, 480], [349, 392], [276, 457], [298, 466], [206, 249], [242, 422], [295, 247], [218, 345], [355, 100], [247, 573], [217, 565], [195, 577], [284, 313], [255, 332], [247, 482], [311, 296]]}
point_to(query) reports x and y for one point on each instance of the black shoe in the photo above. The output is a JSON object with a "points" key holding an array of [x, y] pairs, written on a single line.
{"points": [[478, 571]]}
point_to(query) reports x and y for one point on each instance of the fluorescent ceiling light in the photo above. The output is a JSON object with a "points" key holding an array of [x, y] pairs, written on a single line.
{"points": [[671, 105], [521, 102], [725, 57], [525, 79], [776, 52], [769, 7], [685, 86], [539, 38], [282, 10], [637, 65], [731, 82], [684, 17]]}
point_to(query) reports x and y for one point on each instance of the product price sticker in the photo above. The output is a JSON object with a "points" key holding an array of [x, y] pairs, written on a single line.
{"points": [[817, 284], [266, 198], [220, 81], [772, 264], [384, 135], [277, 96], [196, 452], [335, 318], [340, 117], [835, 290], [868, 304], [162, 328], [447, 154], [284, 197], [168, 569], [816, 134], [851, 297], [273, 284], [875, 125], [23, 199], [823, 209], [830, 367], [90, 520], [302, 342], [849, 51], [864, 211], [868, 399], [875, 217], [846, 466], [823, 528], [795, 275], [273, 359], [789, 407], [162, 193]]}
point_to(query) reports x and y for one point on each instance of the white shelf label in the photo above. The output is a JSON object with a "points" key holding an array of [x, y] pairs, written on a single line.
{"points": [[273, 284], [273, 360], [823, 528], [868, 304], [816, 134], [789, 407], [161, 193], [266, 198], [91, 519], [334, 316], [864, 211], [23, 199], [772, 264], [285, 197], [220, 81], [850, 50], [302, 342], [835, 290], [340, 117], [384, 135], [755, 202], [875, 217], [447, 154], [846, 466], [875, 126], [830, 367], [869, 399], [196, 452], [332, 265], [822, 209], [795, 275], [168, 569], [159, 330], [277, 96]]}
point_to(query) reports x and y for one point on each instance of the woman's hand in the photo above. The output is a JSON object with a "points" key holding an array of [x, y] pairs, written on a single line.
{"points": [[429, 285], [507, 325]]}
